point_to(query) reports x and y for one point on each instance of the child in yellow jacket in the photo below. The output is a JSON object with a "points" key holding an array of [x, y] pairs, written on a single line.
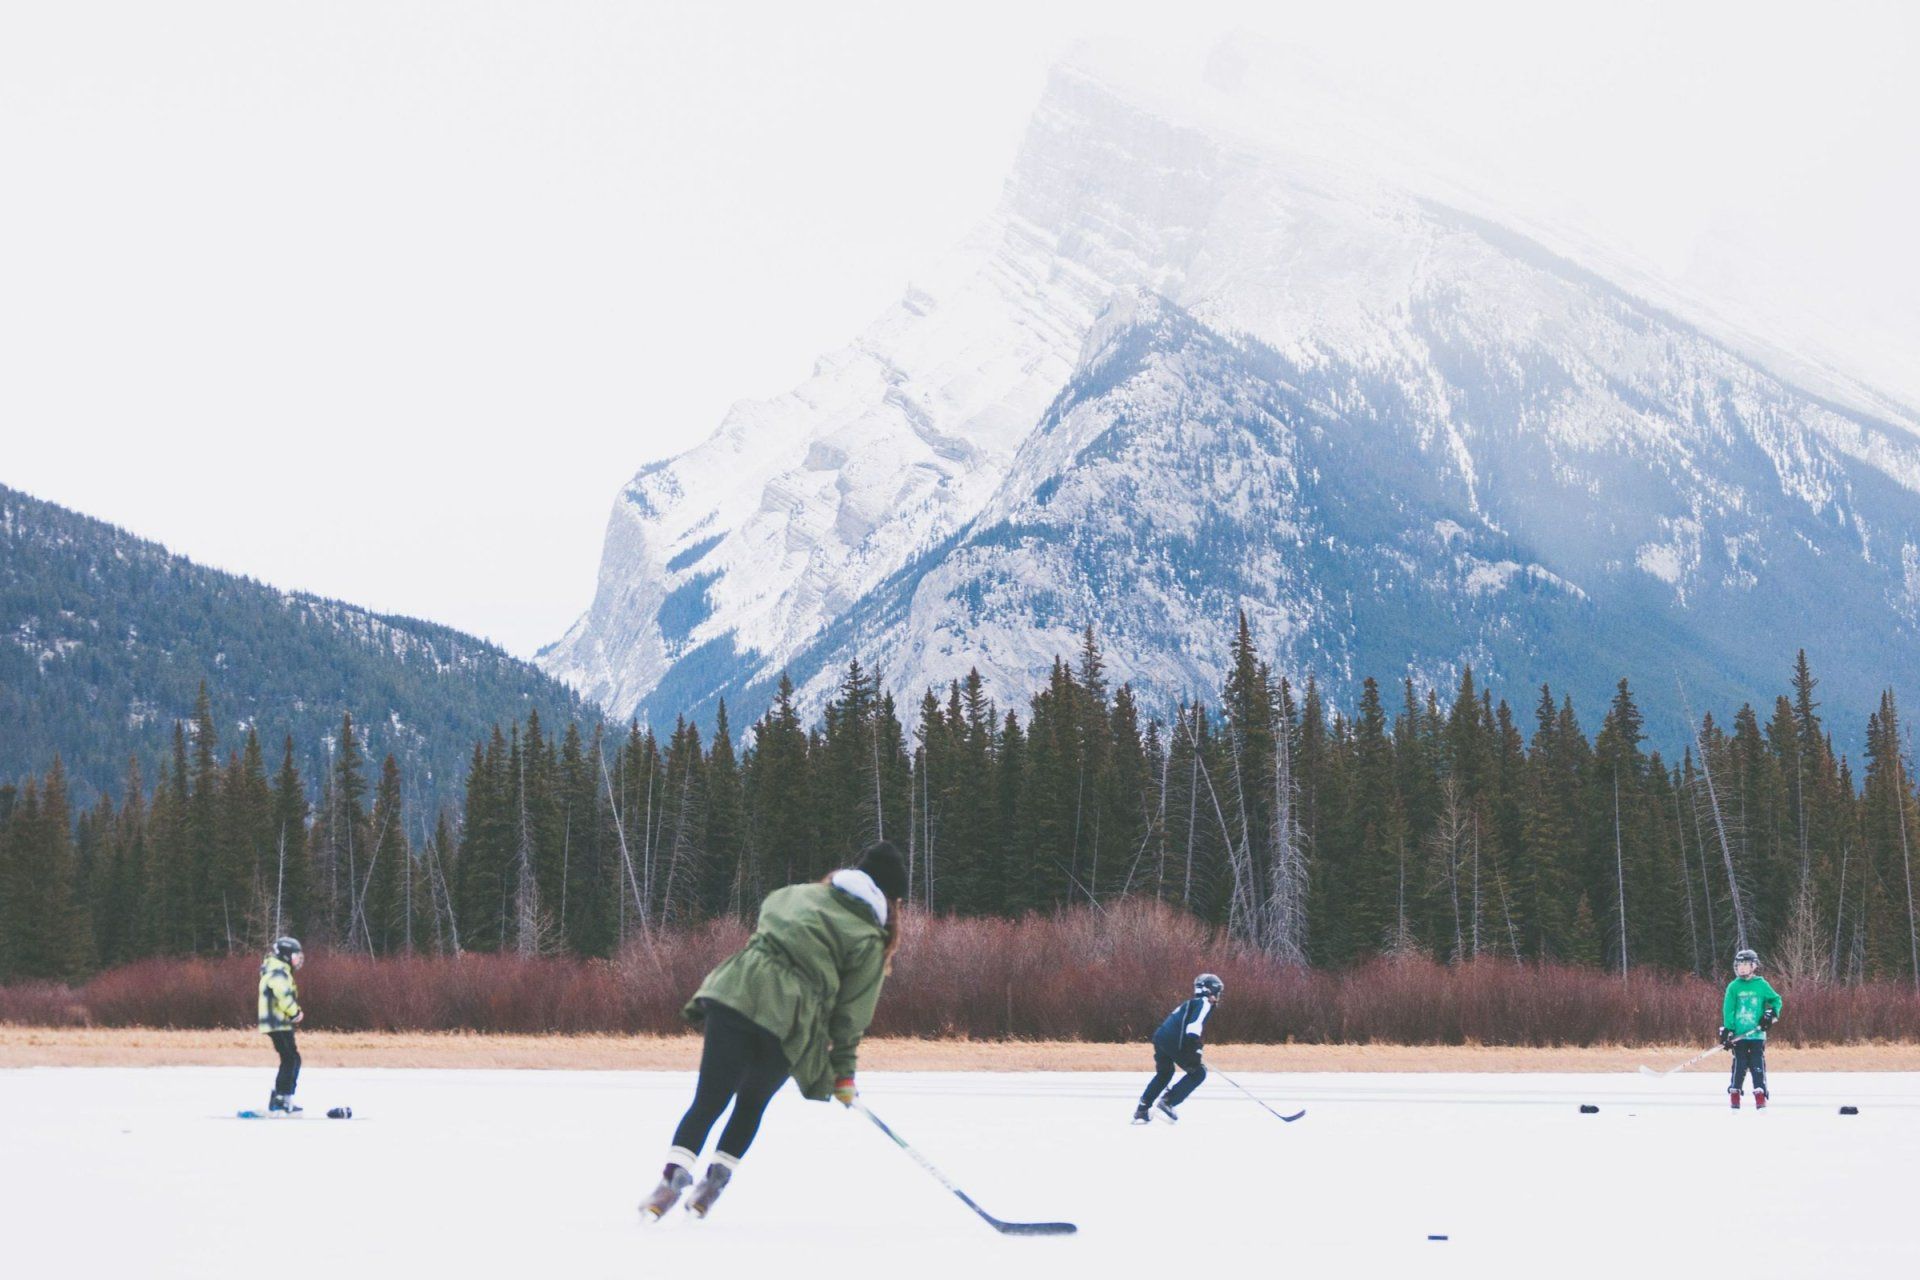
{"points": [[279, 1013]]}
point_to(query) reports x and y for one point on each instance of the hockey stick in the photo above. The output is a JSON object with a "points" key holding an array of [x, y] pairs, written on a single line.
{"points": [[1004, 1228], [1698, 1057], [1242, 1088]]}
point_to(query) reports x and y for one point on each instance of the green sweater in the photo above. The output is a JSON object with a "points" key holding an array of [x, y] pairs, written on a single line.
{"points": [[811, 975], [1746, 999]]}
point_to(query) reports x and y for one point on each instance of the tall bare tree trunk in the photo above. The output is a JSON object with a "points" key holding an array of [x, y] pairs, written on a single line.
{"points": [[527, 891], [626, 857], [1720, 829], [1686, 881], [1840, 910], [1287, 869], [1620, 870], [280, 881], [1906, 857]]}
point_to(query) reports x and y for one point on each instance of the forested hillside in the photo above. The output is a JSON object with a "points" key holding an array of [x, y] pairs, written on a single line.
{"points": [[106, 639]]}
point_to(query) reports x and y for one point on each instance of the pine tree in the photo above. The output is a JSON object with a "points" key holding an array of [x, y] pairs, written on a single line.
{"points": [[246, 851], [1888, 829], [383, 910], [481, 885], [780, 780], [174, 908], [341, 838], [1374, 833], [48, 932], [291, 872], [209, 906], [1018, 884], [723, 873], [1545, 876]]}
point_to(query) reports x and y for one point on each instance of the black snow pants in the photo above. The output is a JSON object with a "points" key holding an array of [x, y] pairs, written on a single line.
{"points": [[289, 1077], [1187, 1060], [1749, 1055], [741, 1062]]}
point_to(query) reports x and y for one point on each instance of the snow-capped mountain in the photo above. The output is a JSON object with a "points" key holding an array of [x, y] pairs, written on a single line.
{"points": [[1178, 374]]}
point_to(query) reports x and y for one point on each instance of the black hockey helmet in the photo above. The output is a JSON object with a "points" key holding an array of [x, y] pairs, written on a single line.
{"points": [[1209, 985], [1747, 955], [287, 948], [882, 861]]}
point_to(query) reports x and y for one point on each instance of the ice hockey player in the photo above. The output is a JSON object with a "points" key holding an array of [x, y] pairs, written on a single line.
{"points": [[1750, 1008], [794, 1001], [280, 1012], [1177, 1044]]}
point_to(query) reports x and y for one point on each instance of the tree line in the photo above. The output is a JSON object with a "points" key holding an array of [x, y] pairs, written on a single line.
{"points": [[1419, 820]]}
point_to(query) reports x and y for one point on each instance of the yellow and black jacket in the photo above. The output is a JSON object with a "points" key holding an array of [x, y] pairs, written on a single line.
{"points": [[279, 998]]}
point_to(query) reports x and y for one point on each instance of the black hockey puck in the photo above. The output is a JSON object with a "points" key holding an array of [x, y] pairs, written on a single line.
{"points": [[340, 1113], [1849, 1111], [1436, 1237], [1588, 1109]]}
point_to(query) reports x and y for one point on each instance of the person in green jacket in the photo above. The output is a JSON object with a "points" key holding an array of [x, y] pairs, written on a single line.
{"points": [[794, 1001], [280, 1012], [1750, 1007]]}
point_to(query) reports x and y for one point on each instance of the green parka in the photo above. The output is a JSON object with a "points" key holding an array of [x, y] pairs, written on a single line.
{"points": [[811, 975]]}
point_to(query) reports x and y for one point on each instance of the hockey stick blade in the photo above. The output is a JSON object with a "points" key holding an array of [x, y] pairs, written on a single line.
{"points": [[1256, 1098], [1004, 1228]]}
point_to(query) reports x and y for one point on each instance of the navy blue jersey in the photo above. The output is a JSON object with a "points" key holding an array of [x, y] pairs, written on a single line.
{"points": [[1184, 1027]]}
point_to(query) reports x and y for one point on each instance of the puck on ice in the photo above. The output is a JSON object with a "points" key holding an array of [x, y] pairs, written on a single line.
{"points": [[1849, 1111], [1436, 1237], [1588, 1109]]}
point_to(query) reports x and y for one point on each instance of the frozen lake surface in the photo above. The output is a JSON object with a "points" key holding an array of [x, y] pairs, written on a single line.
{"points": [[128, 1173]]}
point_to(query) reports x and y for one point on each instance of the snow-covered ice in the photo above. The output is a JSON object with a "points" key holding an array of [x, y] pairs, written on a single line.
{"points": [[483, 1173]]}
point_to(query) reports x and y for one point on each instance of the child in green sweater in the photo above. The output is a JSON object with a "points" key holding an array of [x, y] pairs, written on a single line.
{"points": [[1751, 1006]]}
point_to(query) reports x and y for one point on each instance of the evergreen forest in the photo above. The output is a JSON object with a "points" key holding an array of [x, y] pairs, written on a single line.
{"points": [[1429, 821]]}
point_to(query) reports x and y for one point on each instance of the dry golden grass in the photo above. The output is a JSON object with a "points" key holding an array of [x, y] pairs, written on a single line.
{"points": [[97, 1047]]}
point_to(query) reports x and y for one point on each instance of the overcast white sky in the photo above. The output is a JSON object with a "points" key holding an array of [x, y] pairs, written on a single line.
{"points": [[387, 300]]}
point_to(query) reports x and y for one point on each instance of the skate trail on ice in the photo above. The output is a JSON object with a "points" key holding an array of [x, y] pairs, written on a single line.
{"points": [[480, 1173]]}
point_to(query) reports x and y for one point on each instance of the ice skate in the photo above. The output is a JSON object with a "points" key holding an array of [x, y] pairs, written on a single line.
{"points": [[700, 1203], [1733, 1099], [1141, 1114], [674, 1181], [1759, 1099], [280, 1104], [1165, 1110]]}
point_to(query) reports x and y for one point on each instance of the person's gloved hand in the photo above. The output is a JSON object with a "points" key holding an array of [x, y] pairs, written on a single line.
{"points": [[1726, 1037], [1768, 1017], [300, 1016], [843, 1091]]}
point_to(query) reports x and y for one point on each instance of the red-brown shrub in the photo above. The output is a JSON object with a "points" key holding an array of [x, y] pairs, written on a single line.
{"points": [[41, 1004], [1088, 974]]}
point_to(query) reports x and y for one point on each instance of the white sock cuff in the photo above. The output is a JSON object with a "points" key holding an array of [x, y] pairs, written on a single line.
{"points": [[730, 1163], [684, 1158]]}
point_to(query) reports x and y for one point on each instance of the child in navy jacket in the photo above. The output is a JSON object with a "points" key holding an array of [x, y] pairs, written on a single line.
{"points": [[1177, 1044]]}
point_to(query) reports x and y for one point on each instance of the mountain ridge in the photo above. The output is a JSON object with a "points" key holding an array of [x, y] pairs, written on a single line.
{"points": [[1566, 410]]}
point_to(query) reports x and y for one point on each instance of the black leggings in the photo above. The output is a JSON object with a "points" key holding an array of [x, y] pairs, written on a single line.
{"points": [[289, 1077], [1163, 1066], [1749, 1055], [741, 1063]]}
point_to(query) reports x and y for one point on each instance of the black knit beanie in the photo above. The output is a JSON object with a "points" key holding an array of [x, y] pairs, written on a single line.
{"points": [[887, 868]]}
